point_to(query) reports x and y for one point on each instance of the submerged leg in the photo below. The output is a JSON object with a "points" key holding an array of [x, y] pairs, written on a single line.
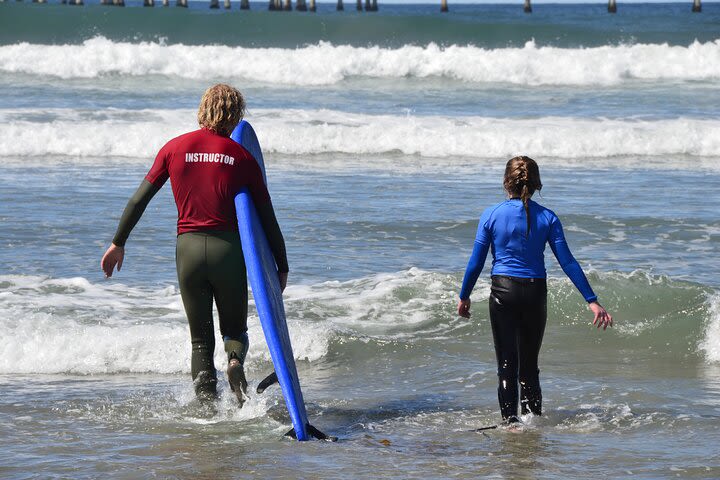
{"points": [[503, 321], [530, 336], [197, 297], [530, 397], [229, 284], [237, 350]]}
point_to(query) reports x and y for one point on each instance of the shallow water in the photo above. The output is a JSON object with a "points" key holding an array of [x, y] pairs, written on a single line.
{"points": [[385, 363]]}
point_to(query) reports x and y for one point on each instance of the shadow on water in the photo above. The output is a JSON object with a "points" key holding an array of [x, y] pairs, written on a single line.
{"points": [[393, 420]]}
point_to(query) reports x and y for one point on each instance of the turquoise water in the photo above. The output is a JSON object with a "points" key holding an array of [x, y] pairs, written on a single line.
{"points": [[385, 136], [490, 26]]}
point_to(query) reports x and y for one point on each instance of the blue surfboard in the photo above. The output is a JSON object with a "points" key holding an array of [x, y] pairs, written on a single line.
{"points": [[263, 277]]}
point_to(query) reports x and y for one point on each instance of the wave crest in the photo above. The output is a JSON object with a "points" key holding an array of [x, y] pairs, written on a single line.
{"points": [[73, 325], [140, 134], [710, 345], [327, 64]]}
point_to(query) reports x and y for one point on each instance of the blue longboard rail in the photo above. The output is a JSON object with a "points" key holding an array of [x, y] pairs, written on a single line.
{"points": [[263, 277]]}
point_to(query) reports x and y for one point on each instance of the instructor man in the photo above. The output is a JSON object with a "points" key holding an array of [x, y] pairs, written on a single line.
{"points": [[206, 170]]}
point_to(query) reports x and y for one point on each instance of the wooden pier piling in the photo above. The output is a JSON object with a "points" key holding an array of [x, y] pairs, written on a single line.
{"points": [[697, 6], [527, 8], [612, 6], [285, 5]]}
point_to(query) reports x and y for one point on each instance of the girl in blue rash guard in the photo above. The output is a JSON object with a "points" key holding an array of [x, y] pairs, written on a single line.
{"points": [[516, 231]]}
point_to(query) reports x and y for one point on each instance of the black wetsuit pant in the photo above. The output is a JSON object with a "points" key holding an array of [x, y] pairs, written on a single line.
{"points": [[210, 266], [518, 313]]}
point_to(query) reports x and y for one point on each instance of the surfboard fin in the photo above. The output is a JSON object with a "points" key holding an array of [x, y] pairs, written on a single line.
{"points": [[313, 432], [267, 382]]}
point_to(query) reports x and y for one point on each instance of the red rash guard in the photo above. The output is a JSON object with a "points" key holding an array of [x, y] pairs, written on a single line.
{"points": [[206, 171]]}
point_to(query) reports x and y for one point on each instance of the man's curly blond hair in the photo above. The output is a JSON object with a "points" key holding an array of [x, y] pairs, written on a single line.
{"points": [[221, 109]]}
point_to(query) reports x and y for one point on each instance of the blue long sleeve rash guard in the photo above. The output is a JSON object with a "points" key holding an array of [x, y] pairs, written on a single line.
{"points": [[503, 230]]}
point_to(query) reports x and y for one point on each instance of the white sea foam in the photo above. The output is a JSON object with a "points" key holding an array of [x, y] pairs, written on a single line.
{"points": [[325, 64], [75, 326], [403, 305], [72, 325], [710, 344], [140, 133]]}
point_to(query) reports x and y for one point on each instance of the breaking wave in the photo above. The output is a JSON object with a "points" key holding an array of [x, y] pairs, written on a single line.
{"points": [[327, 64], [141, 133]]}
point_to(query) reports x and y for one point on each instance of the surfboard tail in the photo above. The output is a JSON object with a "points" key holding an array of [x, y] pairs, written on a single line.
{"points": [[309, 429], [314, 432]]}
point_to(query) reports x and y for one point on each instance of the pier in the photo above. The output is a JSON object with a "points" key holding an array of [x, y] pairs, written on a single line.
{"points": [[307, 5]]}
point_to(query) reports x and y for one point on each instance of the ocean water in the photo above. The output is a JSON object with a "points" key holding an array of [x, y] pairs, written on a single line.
{"points": [[385, 136]]}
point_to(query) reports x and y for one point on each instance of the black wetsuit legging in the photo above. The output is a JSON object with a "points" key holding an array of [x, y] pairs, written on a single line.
{"points": [[518, 313], [210, 265]]}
